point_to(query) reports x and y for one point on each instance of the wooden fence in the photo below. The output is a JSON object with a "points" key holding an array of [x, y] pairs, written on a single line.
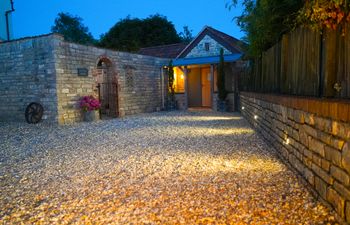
{"points": [[304, 62]]}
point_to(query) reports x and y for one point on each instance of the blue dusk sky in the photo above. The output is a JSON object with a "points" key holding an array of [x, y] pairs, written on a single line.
{"points": [[35, 17]]}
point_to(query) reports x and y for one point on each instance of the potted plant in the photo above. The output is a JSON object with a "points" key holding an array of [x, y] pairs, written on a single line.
{"points": [[89, 106], [221, 102]]}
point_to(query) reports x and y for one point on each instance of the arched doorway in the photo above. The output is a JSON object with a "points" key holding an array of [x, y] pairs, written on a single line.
{"points": [[107, 86]]}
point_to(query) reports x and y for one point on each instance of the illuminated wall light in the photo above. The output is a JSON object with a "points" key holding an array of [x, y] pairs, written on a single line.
{"points": [[287, 141], [243, 107], [256, 117]]}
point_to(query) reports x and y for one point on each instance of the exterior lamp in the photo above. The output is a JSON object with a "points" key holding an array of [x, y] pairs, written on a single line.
{"points": [[255, 117]]}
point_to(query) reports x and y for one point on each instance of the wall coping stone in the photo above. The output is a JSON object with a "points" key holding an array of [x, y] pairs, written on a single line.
{"points": [[336, 109]]}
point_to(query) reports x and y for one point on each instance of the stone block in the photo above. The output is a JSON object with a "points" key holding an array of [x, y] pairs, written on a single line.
{"points": [[321, 187], [322, 174], [341, 130], [323, 124], [310, 130], [342, 190], [337, 201], [345, 155], [340, 175], [333, 155], [316, 146], [325, 165], [347, 211], [310, 119]]}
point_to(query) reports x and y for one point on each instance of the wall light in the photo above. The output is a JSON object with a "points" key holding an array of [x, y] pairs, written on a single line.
{"points": [[256, 117], [243, 107], [287, 141]]}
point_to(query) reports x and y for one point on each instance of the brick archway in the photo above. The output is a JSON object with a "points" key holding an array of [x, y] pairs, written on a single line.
{"points": [[107, 86]]}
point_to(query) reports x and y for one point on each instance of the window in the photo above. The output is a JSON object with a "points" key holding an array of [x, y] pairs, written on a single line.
{"points": [[179, 80], [207, 46], [129, 77]]}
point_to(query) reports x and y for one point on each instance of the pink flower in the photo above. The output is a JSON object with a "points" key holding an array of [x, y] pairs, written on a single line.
{"points": [[89, 103]]}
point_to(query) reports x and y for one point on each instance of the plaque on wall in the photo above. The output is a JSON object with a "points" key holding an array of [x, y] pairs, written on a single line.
{"points": [[83, 72]]}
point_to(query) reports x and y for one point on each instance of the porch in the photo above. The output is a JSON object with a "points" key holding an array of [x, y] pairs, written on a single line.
{"points": [[195, 81]]}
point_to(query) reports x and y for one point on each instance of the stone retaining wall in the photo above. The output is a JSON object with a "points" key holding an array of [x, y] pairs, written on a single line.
{"points": [[313, 136]]}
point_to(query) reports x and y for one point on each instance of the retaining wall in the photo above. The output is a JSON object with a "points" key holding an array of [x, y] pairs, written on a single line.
{"points": [[313, 135]]}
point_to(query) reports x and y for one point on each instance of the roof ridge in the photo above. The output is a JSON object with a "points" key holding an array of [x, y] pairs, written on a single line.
{"points": [[157, 46]]}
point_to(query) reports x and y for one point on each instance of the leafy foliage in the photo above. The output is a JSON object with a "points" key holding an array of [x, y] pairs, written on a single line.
{"points": [[221, 77], [131, 34], [186, 36], [325, 13], [72, 28], [265, 21], [171, 79]]}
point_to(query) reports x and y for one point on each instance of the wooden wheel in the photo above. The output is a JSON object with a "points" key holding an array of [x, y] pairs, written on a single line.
{"points": [[34, 112]]}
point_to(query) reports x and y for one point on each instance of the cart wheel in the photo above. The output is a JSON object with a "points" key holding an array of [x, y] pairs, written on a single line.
{"points": [[34, 113]]}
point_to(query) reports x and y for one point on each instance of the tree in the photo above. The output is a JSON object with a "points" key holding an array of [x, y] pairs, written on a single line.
{"points": [[320, 14], [72, 28], [131, 34], [186, 36], [265, 21], [221, 77]]}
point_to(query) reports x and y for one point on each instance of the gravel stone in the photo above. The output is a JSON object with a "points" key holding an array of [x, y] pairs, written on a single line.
{"points": [[158, 168]]}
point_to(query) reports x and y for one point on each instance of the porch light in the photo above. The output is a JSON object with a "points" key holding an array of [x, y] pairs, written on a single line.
{"points": [[243, 107], [256, 117]]}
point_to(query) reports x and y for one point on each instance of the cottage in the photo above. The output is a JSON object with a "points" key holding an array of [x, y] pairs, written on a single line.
{"points": [[55, 74], [196, 68]]}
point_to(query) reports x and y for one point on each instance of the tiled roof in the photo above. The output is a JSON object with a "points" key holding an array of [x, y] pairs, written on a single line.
{"points": [[163, 51], [232, 44]]}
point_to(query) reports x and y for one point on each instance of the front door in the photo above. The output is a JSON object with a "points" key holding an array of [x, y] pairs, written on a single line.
{"points": [[205, 79]]}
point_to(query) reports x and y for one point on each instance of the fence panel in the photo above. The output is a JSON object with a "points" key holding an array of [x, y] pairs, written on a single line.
{"points": [[304, 62]]}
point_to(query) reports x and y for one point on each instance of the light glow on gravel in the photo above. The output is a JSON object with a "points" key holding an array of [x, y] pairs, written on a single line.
{"points": [[159, 168]]}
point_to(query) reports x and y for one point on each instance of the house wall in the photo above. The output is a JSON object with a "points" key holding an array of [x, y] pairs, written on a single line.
{"points": [[27, 74], [318, 132], [143, 95], [214, 49]]}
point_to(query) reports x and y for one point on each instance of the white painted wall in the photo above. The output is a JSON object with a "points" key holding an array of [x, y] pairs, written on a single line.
{"points": [[214, 48], [5, 5]]}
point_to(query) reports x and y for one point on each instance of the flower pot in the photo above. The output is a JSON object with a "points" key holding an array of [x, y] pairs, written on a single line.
{"points": [[90, 116]]}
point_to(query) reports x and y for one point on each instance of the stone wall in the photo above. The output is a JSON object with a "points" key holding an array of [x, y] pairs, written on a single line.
{"points": [[27, 74], [181, 101], [44, 69], [313, 135], [214, 48], [140, 93]]}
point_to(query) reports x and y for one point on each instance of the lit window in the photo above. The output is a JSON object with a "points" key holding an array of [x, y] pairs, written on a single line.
{"points": [[179, 80]]}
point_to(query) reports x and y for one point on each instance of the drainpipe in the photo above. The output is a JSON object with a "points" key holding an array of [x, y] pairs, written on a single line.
{"points": [[7, 20]]}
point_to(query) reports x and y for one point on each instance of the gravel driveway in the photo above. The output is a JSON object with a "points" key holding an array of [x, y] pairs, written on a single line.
{"points": [[160, 168]]}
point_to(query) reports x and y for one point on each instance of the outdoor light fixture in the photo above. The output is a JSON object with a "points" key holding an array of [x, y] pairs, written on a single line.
{"points": [[243, 107], [255, 117], [287, 141]]}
